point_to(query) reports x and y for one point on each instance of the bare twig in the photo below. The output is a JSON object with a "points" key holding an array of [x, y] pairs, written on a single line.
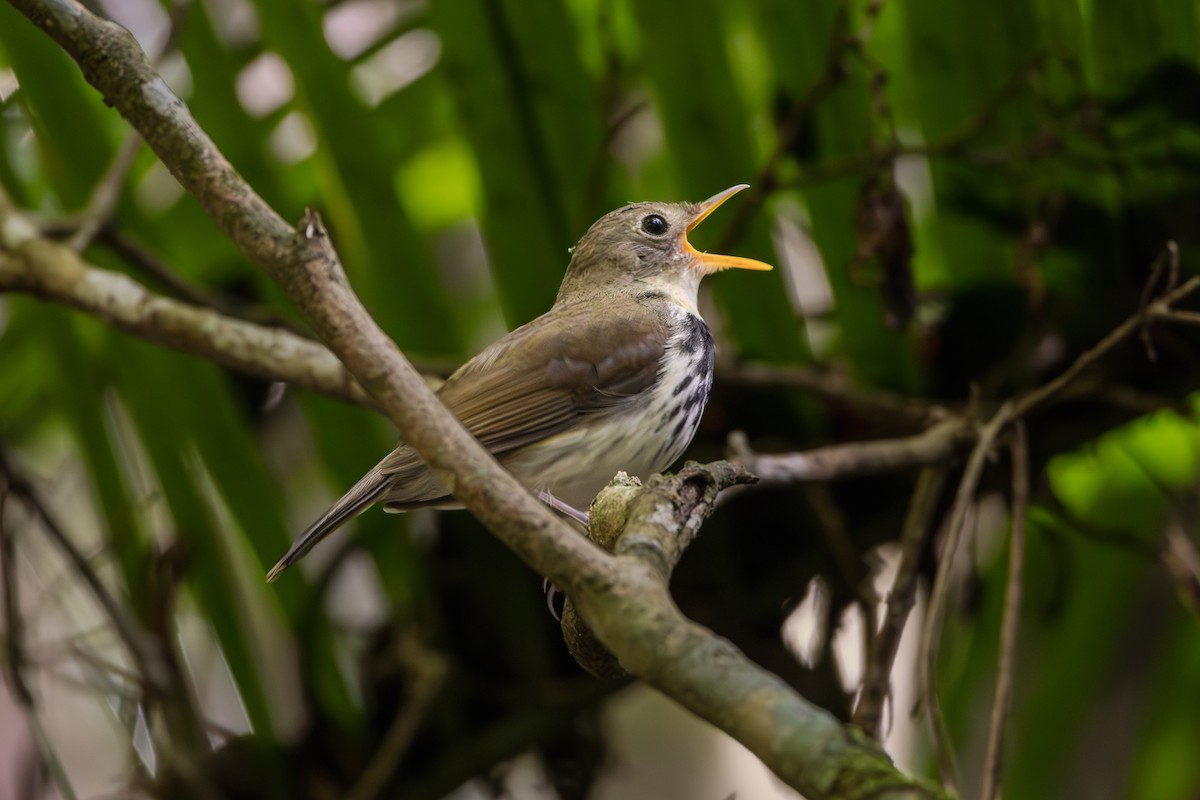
{"points": [[428, 671], [835, 388], [155, 675], [13, 624], [1168, 260], [876, 686], [933, 446], [1160, 308], [952, 145], [766, 180], [831, 520], [13, 637], [1181, 317], [141, 260], [937, 597], [54, 272], [106, 193], [1182, 560], [1011, 623]]}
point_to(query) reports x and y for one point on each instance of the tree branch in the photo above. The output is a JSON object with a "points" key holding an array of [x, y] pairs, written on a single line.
{"points": [[54, 272], [933, 446], [620, 596], [656, 523]]}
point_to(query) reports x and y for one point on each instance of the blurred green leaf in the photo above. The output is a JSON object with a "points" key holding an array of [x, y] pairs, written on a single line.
{"points": [[76, 134]]}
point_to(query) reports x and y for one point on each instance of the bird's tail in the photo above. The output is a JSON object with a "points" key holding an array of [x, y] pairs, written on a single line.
{"points": [[368, 490]]}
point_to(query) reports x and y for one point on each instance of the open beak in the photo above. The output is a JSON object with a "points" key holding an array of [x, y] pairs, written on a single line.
{"points": [[710, 262]]}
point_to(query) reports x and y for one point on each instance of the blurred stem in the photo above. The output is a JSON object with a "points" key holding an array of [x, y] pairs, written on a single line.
{"points": [[835, 388], [1160, 308], [876, 685], [428, 672], [106, 193], [13, 636], [141, 651], [993, 761], [937, 597]]}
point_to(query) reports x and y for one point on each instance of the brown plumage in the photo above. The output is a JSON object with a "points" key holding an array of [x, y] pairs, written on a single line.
{"points": [[614, 376]]}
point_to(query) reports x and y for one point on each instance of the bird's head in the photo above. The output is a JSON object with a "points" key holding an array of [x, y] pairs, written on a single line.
{"points": [[644, 247]]}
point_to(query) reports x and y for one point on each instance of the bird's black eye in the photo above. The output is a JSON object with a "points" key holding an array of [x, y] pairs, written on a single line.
{"points": [[654, 224]]}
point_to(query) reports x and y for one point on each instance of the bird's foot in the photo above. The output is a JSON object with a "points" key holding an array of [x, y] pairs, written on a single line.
{"points": [[564, 508], [554, 596]]}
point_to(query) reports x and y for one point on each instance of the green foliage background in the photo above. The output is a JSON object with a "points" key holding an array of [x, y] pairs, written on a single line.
{"points": [[1051, 148]]}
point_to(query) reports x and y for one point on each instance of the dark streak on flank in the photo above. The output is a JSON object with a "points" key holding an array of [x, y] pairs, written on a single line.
{"points": [[699, 340]]}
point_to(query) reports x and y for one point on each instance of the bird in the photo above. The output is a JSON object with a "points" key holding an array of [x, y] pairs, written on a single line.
{"points": [[615, 376]]}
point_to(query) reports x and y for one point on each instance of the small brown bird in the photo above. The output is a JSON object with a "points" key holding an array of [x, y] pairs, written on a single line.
{"points": [[613, 377]]}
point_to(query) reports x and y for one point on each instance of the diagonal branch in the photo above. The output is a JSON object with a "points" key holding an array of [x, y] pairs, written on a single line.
{"points": [[1161, 308]]}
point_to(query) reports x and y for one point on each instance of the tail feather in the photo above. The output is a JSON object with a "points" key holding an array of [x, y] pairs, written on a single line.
{"points": [[370, 488]]}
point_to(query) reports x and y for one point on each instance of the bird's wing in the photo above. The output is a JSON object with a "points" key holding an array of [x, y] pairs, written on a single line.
{"points": [[543, 377]]}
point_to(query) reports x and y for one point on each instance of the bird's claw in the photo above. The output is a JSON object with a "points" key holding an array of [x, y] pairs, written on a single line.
{"points": [[555, 599]]}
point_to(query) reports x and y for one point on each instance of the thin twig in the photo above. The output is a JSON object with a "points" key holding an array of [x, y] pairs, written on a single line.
{"points": [[1181, 317], [106, 193], [1180, 556], [13, 624], [1010, 625], [831, 520], [934, 446], [952, 145], [1168, 260], [137, 256], [876, 686], [54, 272], [766, 180], [834, 387], [937, 597], [428, 672], [154, 673], [1160, 308], [13, 637]]}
